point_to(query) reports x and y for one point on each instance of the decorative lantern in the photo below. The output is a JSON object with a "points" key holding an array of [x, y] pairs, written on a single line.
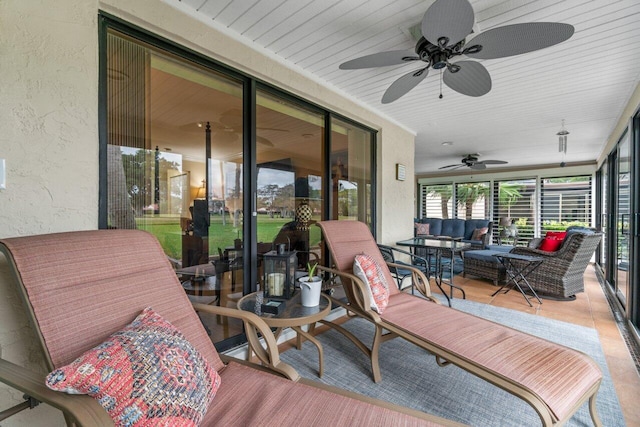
{"points": [[279, 274]]}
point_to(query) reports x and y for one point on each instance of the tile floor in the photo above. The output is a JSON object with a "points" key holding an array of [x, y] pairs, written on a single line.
{"points": [[590, 309]]}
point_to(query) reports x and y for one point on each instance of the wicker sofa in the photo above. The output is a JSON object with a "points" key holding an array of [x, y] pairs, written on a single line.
{"points": [[561, 274], [460, 228]]}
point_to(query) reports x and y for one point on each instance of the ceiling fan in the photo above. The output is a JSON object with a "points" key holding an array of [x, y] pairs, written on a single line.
{"points": [[445, 26], [229, 128], [471, 161]]}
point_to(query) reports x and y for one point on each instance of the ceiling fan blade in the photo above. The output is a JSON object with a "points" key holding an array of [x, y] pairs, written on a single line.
{"points": [[225, 137], [515, 39], [232, 118], [472, 79], [456, 167], [264, 141], [494, 162], [274, 129], [452, 19], [218, 127], [404, 84], [451, 166], [380, 59], [478, 166]]}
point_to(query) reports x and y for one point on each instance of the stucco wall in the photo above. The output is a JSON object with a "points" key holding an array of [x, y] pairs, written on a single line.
{"points": [[49, 134]]}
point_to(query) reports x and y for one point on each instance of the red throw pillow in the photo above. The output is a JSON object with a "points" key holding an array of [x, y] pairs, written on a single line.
{"points": [[550, 244], [560, 235]]}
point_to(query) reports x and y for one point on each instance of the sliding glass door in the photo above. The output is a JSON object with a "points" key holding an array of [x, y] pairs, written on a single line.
{"points": [[290, 187], [220, 168], [174, 162]]}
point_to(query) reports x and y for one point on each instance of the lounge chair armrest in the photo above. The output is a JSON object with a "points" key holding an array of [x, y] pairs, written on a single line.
{"points": [[254, 325], [358, 297], [84, 409]]}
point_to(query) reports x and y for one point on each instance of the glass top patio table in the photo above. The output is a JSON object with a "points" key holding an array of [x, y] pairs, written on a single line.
{"points": [[436, 246], [453, 244]]}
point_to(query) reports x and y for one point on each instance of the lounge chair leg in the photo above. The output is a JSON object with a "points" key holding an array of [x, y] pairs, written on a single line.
{"points": [[593, 411], [375, 362], [442, 362]]}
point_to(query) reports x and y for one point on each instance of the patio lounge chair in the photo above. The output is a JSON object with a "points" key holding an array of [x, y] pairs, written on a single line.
{"points": [[80, 287], [554, 379]]}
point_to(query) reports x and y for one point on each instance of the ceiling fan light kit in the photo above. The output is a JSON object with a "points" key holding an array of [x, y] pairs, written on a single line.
{"points": [[445, 26]]}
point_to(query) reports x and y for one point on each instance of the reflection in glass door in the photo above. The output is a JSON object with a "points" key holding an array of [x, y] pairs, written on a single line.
{"points": [[351, 177], [622, 222], [174, 166], [289, 162]]}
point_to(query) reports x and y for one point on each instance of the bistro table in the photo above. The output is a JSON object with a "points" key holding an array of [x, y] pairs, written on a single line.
{"points": [[436, 247], [200, 281], [518, 272], [294, 316]]}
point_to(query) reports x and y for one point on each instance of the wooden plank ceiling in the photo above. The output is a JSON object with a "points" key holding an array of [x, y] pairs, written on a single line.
{"points": [[586, 80]]}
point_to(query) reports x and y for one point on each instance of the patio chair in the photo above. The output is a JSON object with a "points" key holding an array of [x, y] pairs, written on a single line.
{"points": [[425, 265], [561, 274], [81, 287], [400, 273], [554, 379]]}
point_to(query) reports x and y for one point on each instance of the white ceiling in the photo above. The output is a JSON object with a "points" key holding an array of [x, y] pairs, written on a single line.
{"points": [[587, 80]]}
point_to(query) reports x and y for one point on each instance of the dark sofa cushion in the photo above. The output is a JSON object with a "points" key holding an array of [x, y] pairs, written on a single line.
{"points": [[471, 224], [460, 228], [452, 228]]}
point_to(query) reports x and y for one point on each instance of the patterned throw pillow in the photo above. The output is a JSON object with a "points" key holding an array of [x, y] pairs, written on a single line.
{"points": [[478, 233], [371, 274], [422, 229], [145, 374]]}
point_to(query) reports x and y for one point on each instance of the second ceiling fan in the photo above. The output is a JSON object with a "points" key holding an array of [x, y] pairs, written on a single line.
{"points": [[471, 161], [445, 26]]}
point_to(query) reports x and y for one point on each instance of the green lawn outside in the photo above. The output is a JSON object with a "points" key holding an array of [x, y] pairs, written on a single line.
{"points": [[168, 232]]}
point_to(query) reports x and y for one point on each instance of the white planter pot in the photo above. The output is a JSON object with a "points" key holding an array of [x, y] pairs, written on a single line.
{"points": [[310, 290]]}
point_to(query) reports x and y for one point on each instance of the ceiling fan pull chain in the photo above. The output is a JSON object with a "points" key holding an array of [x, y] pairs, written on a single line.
{"points": [[440, 85]]}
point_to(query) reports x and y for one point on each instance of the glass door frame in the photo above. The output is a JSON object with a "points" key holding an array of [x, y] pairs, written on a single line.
{"points": [[633, 304], [250, 86]]}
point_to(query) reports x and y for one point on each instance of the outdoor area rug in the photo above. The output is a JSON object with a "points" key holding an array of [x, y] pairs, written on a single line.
{"points": [[411, 377]]}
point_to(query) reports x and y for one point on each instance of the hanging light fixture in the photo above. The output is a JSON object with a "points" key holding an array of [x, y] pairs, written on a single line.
{"points": [[562, 139]]}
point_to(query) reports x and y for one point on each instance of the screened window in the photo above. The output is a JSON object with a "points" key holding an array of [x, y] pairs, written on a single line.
{"points": [[514, 205], [565, 201], [436, 201], [473, 200]]}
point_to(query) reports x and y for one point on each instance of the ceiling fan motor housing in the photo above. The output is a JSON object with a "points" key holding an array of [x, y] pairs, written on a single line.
{"points": [[470, 160], [436, 56]]}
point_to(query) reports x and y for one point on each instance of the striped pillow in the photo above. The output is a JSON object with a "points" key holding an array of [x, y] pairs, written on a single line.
{"points": [[371, 274]]}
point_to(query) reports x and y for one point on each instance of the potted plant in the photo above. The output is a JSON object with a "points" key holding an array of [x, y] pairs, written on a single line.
{"points": [[310, 287]]}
